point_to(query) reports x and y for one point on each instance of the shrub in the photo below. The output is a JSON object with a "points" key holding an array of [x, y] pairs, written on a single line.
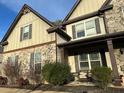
{"points": [[3, 80], [102, 76], [22, 82], [56, 73]]}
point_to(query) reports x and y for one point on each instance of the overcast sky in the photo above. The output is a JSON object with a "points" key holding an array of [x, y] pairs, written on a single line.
{"points": [[51, 9]]}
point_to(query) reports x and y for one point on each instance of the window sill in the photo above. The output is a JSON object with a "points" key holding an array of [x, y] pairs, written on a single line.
{"points": [[87, 37]]}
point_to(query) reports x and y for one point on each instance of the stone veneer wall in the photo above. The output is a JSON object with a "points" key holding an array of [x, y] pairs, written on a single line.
{"points": [[115, 17], [48, 52], [115, 23], [120, 61]]}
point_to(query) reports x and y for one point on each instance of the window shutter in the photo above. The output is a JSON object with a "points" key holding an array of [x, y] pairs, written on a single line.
{"points": [[21, 33], [30, 31], [98, 30], [9, 59], [16, 61], [32, 61], [73, 32]]}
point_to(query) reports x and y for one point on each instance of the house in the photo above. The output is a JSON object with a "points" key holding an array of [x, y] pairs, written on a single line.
{"points": [[91, 35]]}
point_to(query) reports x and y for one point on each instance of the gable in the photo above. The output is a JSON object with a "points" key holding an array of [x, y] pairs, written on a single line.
{"points": [[39, 32], [22, 12], [86, 7]]}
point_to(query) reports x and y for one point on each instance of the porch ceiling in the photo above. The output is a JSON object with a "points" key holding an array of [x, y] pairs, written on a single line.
{"points": [[96, 43]]}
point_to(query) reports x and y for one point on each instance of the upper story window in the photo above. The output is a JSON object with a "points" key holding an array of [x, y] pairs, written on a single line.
{"points": [[26, 32], [86, 28]]}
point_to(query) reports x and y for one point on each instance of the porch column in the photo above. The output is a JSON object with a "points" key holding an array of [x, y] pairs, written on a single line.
{"points": [[64, 55], [112, 58]]}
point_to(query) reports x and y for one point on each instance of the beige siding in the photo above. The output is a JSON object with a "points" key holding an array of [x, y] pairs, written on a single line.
{"points": [[86, 7], [102, 26], [39, 33]]}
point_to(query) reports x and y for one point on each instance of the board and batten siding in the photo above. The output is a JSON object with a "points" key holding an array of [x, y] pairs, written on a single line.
{"points": [[86, 7], [39, 33], [101, 24]]}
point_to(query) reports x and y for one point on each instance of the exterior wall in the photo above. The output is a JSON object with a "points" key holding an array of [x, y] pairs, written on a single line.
{"points": [[69, 27], [39, 33], [115, 17], [120, 60], [108, 60], [86, 7], [115, 23], [71, 62], [48, 52]]}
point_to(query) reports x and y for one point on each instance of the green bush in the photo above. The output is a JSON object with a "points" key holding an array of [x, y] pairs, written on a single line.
{"points": [[102, 76], [56, 73]]}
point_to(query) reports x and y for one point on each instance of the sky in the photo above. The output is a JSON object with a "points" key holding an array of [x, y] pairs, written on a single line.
{"points": [[51, 9]]}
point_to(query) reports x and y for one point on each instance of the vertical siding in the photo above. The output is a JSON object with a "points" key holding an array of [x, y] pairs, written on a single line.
{"points": [[39, 33], [86, 7]]}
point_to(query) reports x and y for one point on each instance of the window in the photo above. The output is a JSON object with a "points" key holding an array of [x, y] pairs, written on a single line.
{"points": [[26, 32], [90, 28], [36, 62], [89, 61], [87, 28], [13, 60], [80, 30]]}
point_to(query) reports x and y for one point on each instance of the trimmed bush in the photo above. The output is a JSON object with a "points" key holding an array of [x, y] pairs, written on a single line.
{"points": [[102, 76], [22, 82], [3, 80], [56, 73]]}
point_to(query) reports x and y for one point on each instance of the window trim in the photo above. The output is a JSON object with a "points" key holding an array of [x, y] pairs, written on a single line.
{"points": [[85, 30], [27, 32], [89, 61], [37, 62], [122, 9]]}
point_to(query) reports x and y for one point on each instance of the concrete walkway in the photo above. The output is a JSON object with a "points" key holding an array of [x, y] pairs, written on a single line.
{"points": [[14, 90]]}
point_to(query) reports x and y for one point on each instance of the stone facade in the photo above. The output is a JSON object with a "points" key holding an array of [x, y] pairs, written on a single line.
{"points": [[120, 61], [115, 17], [48, 52], [115, 23]]}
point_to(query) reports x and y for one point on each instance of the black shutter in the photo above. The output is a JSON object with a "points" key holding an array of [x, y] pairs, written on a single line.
{"points": [[103, 58], [21, 33], [9, 60], [16, 61], [73, 32], [32, 61], [98, 30], [30, 31]]}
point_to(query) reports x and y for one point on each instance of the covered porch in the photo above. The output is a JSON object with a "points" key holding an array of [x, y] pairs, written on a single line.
{"points": [[104, 45]]}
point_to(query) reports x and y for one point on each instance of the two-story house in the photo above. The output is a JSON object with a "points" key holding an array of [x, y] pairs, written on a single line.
{"points": [[91, 35]]}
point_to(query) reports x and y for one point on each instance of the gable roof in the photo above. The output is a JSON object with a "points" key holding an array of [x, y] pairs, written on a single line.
{"points": [[19, 16], [72, 10], [106, 3]]}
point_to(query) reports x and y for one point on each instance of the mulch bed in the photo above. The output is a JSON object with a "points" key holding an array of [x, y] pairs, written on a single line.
{"points": [[30, 87], [78, 89], [72, 89]]}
